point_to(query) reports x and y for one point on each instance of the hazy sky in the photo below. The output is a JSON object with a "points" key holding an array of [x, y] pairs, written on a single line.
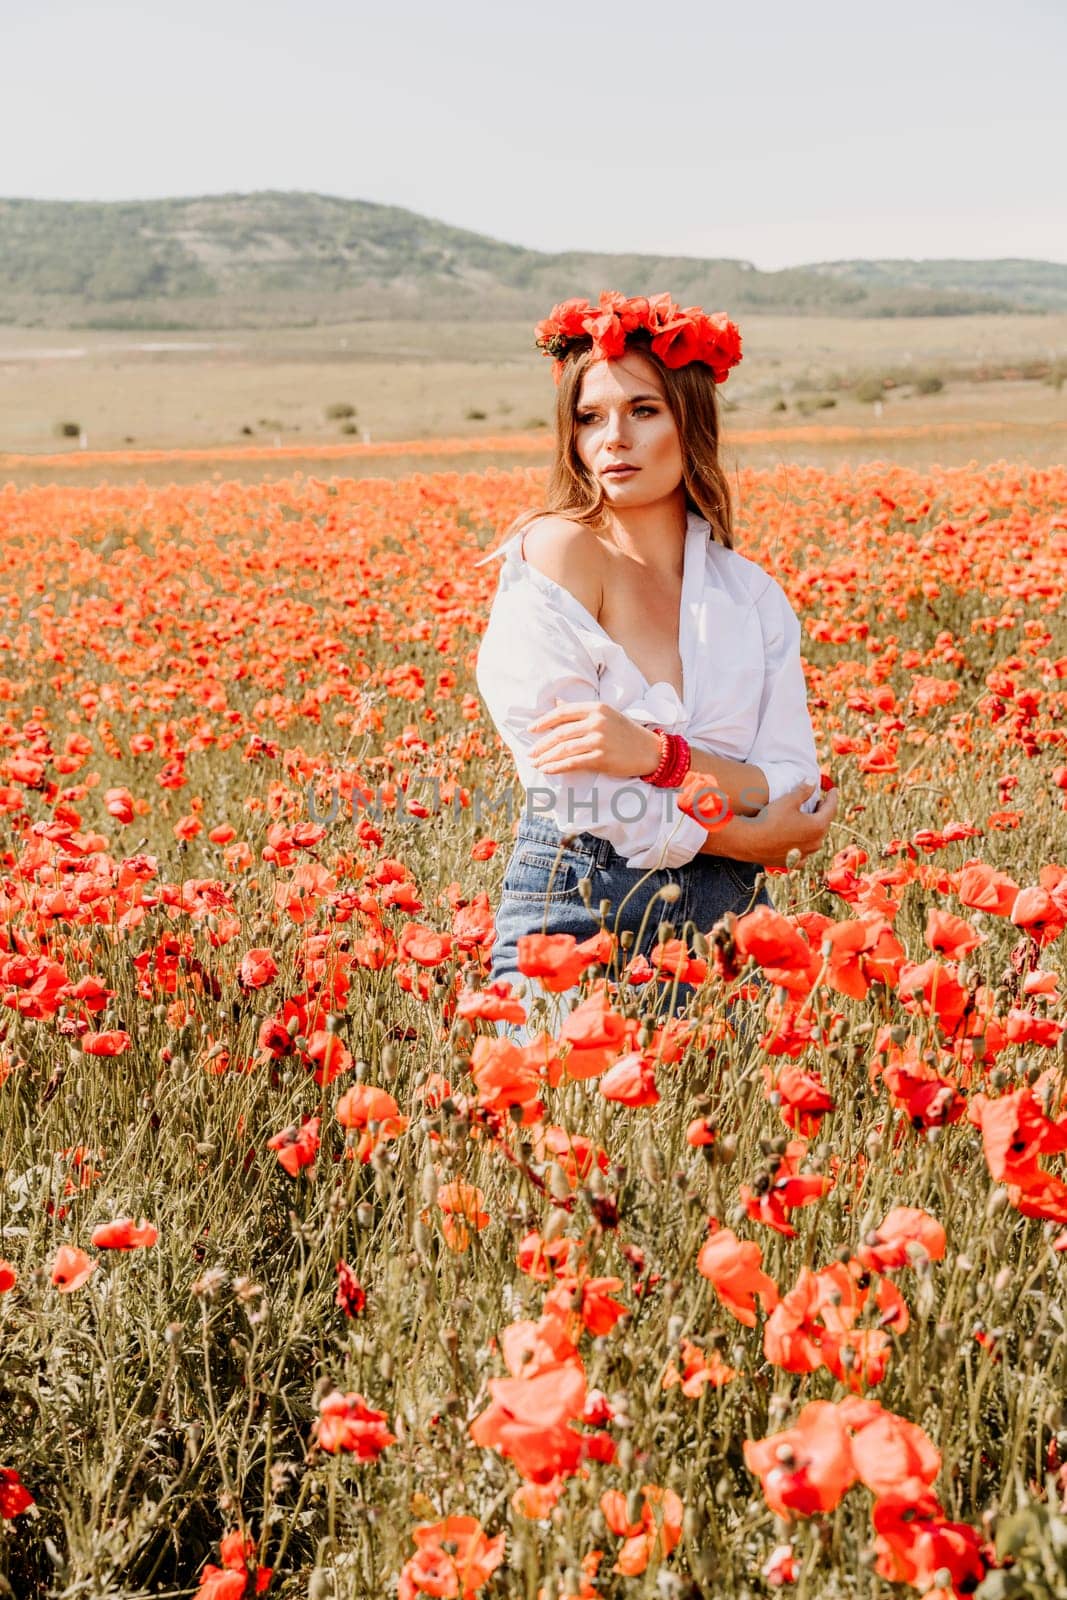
{"points": [[779, 132]]}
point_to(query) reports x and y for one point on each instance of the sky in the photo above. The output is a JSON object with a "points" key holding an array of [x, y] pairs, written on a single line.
{"points": [[777, 133]]}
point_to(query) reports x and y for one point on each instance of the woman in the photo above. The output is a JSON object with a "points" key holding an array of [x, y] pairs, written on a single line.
{"points": [[628, 641]]}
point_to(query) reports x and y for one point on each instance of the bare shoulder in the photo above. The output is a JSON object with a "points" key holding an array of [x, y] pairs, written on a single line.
{"points": [[570, 555]]}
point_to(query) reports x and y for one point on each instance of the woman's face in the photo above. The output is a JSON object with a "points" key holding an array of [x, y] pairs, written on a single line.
{"points": [[622, 419]]}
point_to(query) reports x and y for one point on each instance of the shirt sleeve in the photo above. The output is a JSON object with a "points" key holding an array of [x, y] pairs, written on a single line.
{"points": [[784, 747], [530, 656]]}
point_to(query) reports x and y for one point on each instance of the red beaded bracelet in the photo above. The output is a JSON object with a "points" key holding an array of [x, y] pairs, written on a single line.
{"points": [[674, 761]]}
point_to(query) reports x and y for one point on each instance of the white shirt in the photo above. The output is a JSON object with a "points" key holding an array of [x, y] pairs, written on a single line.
{"points": [[744, 694]]}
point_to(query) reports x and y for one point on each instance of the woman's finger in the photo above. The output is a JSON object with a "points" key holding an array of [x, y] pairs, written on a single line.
{"points": [[573, 753], [565, 713], [554, 743]]}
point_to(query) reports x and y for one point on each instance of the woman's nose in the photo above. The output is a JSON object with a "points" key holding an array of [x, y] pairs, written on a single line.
{"points": [[616, 429]]}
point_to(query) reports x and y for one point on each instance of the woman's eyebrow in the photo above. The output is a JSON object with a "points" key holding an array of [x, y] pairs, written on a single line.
{"points": [[632, 399]]}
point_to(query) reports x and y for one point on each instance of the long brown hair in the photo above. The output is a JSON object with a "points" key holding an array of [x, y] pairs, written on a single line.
{"points": [[691, 396]]}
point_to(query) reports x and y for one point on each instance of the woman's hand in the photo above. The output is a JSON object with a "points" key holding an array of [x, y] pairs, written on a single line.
{"points": [[782, 827], [592, 737]]}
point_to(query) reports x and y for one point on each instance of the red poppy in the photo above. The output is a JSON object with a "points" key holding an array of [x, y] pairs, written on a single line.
{"points": [[494, 1003], [530, 1420], [894, 1456], [654, 1534], [595, 1034], [1015, 1131], [124, 1234], [985, 889], [221, 1583], [950, 936], [455, 1559], [71, 1268], [15, 1498], [364, 1104], [631, 1081], [808, 1468], [733, 1267], [461, 1207], [258, 968], [106, 1044], [505, 1079], [784, 1190], [699, 1368], [915, 1543], [347, 1423], [903, 1230], [239, 1557], [553, 958], [802, 1097], [296, 1147]]}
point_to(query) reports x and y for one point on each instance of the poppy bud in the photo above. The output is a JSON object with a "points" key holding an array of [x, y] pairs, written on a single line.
{"points": [[652, 1163], [558, 1184], [555, 1223]]}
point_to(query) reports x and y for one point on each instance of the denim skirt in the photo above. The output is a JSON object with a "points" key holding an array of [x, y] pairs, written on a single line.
{"points": [[543, 892]]}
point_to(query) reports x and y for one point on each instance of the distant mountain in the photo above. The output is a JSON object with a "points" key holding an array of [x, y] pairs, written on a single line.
{"points": [[277, 257]]}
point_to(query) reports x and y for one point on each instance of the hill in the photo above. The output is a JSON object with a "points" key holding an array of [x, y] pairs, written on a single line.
{"points": [[290, 258]]}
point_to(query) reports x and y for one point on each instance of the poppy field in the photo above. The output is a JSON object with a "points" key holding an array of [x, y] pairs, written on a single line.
{"points": [[312, 1284]]}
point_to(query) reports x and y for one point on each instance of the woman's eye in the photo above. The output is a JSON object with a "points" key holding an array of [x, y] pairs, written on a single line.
{"points": [[585, 417]]}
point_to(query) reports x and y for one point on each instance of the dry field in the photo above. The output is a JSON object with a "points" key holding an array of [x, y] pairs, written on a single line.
{"points": [[417, 382]]}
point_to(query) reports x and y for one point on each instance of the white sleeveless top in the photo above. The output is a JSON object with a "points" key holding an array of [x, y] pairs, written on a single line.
{"points": [[744, 694]]}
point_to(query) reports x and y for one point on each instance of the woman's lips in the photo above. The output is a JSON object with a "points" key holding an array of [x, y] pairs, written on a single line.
{"points": [[619, 472]]}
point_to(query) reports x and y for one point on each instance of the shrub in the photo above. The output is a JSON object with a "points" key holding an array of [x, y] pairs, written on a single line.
{"points": [[349, 427], [780, 405], [474, 415], [68, 430], [339, 411], [929, 383], [869, 390]]}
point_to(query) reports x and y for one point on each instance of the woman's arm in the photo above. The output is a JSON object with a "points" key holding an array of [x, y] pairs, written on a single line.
{"points": [[598, 737], [531, 658], [741, 782], [784, 747], [781, 827]]}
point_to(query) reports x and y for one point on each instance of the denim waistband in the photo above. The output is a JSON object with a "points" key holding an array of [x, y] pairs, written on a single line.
{"points": [[543, 831], [602, 853], [539, 830]]}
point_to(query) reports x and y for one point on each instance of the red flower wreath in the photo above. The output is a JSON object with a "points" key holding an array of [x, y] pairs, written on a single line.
{"points": [[676, 335]]}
